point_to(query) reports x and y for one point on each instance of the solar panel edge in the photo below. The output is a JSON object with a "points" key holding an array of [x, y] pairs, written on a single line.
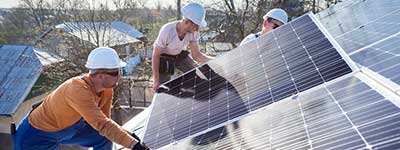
{"points": [[334, 43]]}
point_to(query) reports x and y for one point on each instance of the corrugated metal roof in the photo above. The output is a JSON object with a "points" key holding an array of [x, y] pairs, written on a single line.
{"points": [[109, 34], [20, 68], [126, 28]]}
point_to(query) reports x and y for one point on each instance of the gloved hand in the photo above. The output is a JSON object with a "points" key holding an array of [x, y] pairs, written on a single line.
{"points": [[140, 146]]}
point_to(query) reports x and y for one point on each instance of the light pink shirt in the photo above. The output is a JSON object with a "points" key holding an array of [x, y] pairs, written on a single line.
{"points": [[168, 41]]}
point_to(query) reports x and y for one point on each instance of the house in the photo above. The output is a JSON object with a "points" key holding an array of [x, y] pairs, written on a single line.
{"points": [[118, 35], [102, 33], [21, 68]]}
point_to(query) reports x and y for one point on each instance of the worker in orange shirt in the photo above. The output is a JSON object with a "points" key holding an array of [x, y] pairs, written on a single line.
{"points": [[78, 112]]}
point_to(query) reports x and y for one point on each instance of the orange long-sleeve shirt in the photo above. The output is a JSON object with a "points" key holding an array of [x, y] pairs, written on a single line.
{"points": [[76, 99]]}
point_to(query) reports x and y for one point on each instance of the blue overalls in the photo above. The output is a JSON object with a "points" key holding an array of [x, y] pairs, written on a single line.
{"points": [[80, 133]]}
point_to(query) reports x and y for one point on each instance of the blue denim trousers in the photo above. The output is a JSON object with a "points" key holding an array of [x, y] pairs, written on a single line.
{"points": [[80, 134]]}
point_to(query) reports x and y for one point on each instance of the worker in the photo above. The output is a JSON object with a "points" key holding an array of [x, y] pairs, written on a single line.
{"points": [[78, 112], [172, 39], [272, 20]]}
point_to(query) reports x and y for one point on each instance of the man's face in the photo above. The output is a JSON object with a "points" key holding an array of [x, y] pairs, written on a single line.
{"points": [[192, 27], [271, 24], [111, 77]]}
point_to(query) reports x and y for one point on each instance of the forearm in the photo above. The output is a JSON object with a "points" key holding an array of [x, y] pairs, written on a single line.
{"points": [[197, 55], [115, 133], [155, 66]]}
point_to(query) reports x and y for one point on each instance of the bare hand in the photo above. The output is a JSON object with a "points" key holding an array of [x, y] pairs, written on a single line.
{"points": [[156, 85]]}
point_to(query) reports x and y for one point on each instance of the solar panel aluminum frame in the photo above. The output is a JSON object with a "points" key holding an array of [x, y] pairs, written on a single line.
{"points": [[341, 52]]}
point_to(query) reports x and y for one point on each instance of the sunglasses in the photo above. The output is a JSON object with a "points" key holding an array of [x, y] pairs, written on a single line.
{"points": [[114, 74], [275, 25]]}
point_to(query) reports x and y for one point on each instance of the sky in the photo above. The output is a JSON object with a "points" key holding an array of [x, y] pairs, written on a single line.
{"points": [[150, 3], [8, 3]]}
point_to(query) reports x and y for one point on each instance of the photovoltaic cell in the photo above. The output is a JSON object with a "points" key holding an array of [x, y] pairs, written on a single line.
{"points": [[289, 60]]}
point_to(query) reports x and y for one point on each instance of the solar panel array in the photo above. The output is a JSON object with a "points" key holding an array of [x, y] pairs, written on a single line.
{"points": [[294, 88]]}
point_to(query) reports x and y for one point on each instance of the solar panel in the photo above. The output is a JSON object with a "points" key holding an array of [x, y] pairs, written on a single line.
{"points": [[292, 59], [347, 114], [369, 32]]}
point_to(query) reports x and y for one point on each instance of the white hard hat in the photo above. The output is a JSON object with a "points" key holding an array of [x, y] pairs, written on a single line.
{"points": [[196, 13], [104, 57], [278, 14]]}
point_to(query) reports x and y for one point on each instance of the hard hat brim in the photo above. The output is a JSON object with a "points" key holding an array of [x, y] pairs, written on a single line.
{"points": [[203, 24], [266, 17], [121, 64]]}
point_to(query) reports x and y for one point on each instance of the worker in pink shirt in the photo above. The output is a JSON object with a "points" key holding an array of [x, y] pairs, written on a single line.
{"points": [[172, 39]]}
